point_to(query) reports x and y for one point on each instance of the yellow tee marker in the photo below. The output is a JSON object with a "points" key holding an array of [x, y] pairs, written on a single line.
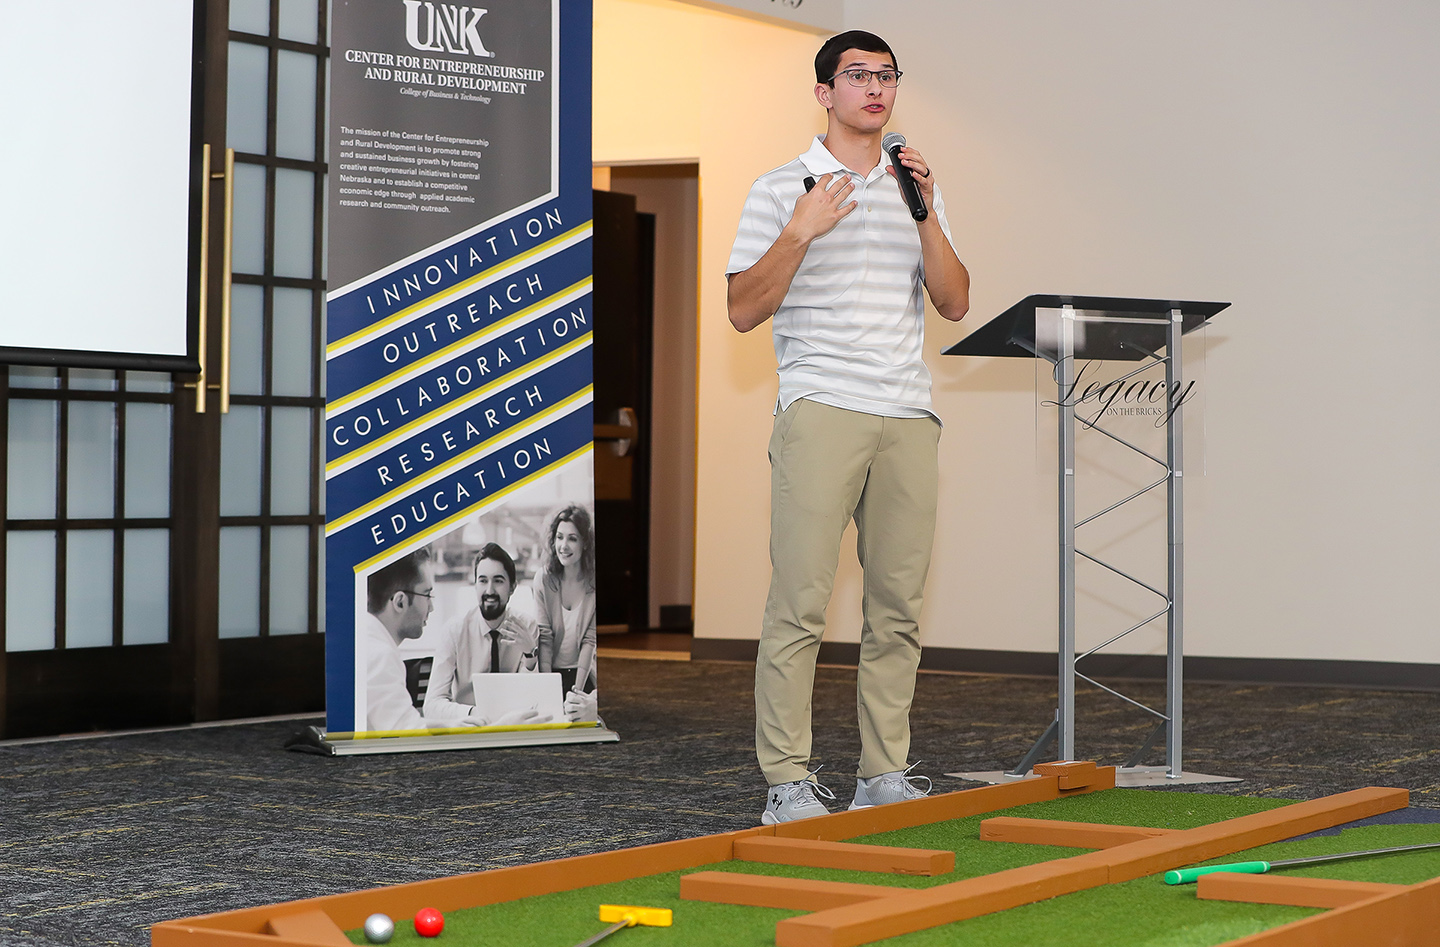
{"points": [[625, 915]]}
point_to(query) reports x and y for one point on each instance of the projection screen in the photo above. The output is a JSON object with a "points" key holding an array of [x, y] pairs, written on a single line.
{"points": [[98, 242]]}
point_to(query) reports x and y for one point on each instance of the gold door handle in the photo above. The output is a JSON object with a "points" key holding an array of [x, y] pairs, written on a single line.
{"points": [[201, 383], [226, 282], [203, 313]]}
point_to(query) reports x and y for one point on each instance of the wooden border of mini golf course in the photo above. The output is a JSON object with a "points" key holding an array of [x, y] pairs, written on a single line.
{"points": [[1406, 917], [1298, 892], [320, 922]]}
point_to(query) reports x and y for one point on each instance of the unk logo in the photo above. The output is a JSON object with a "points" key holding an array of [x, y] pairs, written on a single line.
{"points": [[444, 28]]}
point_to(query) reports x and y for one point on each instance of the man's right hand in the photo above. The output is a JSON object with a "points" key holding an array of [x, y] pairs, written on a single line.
{"points": [[754, 294], [819, 209]]}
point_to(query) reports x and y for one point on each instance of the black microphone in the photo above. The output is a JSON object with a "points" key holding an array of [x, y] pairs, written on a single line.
{"points": [[892, 143]]}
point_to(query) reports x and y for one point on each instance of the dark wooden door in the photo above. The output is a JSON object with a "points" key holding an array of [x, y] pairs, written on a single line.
{"points": [[161, 562], [266, 529], [624, 312]]}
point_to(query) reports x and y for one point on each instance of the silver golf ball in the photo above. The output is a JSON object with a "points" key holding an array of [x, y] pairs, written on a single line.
{"points": [[379, 929]]}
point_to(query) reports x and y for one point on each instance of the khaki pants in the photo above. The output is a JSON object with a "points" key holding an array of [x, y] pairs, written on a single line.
{"points": [[827, 466]]}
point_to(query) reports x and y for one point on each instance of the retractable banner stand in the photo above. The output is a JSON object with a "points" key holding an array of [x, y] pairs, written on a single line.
{"points": [[459, 485]]}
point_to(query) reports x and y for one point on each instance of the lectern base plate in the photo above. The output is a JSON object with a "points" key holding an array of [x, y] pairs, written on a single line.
{"points": [[1130, 776]]}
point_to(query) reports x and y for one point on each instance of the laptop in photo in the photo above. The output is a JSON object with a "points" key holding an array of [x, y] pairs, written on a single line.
{"points": [[498, 694]]}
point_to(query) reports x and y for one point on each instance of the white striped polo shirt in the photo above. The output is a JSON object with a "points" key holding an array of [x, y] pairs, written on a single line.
{"points": [[849, 332]]}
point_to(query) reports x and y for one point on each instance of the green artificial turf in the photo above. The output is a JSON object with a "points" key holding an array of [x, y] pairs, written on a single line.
{"points": [[1140, 913]]}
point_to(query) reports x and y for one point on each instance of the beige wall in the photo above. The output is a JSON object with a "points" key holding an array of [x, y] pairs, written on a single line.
{"points": [[676, 81], [820, 16], [1276, 154]]}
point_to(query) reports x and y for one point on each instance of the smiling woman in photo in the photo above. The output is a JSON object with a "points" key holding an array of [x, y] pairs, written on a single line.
{"points": [[565, 599]]}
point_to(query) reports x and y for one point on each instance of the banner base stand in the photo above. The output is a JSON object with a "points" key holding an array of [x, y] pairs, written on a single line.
{"points": [[313, 740]]}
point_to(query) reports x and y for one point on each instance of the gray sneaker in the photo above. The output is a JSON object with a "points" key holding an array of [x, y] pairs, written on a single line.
{"points": [[889, 787], [790, 801]]}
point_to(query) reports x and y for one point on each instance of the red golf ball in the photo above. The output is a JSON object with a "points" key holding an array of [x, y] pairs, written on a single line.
{"points": [[429, 922]]}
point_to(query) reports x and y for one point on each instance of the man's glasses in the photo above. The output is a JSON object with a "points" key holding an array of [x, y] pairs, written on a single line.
{"points": [[860, 78], [430, 594]]}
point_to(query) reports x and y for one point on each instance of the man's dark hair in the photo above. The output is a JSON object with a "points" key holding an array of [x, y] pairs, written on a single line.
{"points": [[827, 61], [496, 552], [402, 575]]}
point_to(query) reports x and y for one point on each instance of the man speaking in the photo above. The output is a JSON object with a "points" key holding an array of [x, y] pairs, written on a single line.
{"points": [[828, 249]]}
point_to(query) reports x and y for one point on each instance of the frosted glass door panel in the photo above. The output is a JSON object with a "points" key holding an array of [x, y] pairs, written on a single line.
{"points": [[249, 221], [247, 339], [90, 486], [240, 582], [89, 588], [289, 580], [146, 617], [34, 439], [241, 443], [245, 102], [251, 16], [295, 105], [294, 344], [290, 462], [92, 379], [294, 223], [31, 376], [300, 20], [146, 381], [30, 595], [320, 586], [147, 460]]}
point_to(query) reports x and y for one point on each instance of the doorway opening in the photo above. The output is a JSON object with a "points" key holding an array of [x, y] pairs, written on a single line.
{"points": [[669, 193]]}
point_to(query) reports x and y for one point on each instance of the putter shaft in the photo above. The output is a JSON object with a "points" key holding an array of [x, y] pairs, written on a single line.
{"points": [[1187, 875], [1317, 859], [605, 933]]}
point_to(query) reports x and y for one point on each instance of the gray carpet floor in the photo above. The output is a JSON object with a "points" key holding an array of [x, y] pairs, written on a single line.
{"points": [[99, 838]]}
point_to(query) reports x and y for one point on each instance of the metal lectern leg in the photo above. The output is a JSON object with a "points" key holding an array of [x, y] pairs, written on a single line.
{"points": [[1065, 379], [1174, 640], [1037, 752]]}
